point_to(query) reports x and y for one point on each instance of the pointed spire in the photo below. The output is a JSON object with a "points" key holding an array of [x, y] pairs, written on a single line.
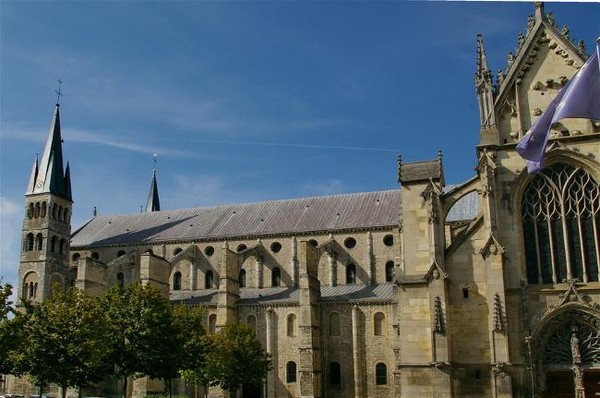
{"points": [[33, 176], [50, 177], [153, 203], [68, 194], [483, 74]]}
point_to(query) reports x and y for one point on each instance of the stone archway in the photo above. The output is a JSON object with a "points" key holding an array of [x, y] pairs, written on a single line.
{"points": [[565, 354]]}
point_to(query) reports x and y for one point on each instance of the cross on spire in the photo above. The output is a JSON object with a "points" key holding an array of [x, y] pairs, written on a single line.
{"points": [[58, 93]]}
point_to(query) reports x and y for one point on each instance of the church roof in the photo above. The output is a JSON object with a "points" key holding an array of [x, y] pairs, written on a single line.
{"points": [[293, 216], [356, 211], [273, 295]]}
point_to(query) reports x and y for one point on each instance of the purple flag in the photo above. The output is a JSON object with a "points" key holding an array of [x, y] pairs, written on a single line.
{"points": [[580, 98]]}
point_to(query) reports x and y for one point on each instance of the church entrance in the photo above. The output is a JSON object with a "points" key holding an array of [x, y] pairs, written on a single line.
{"points": [[560, 384]]}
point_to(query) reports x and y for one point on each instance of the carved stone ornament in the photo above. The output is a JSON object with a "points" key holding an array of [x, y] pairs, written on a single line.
{"points": [[537, 111], [438, 322]]}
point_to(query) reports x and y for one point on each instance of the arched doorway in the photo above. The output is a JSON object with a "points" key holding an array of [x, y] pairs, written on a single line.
{"points": [[565, 354]]}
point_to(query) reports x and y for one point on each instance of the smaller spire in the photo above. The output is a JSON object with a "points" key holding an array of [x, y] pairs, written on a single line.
{"points": [[35, 169], [153, 203], [483, 74]]}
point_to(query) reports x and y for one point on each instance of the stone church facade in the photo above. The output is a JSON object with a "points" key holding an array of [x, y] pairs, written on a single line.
{"points": [[489, 288]]}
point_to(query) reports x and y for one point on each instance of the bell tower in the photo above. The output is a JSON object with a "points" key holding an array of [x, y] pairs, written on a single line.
{"points": [[47, 223]]}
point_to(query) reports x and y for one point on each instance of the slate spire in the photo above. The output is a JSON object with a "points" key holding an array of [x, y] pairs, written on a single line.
{"points": [[153, 203], [48, 175]]}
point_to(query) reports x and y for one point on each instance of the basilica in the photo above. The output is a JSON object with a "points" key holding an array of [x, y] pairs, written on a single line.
{"points": [[489, 288]]}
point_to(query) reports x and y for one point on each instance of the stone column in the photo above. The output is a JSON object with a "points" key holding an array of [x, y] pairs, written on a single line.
{"points": [[332, 268], [294, 260], [259, 272], [369, 259], [356, 351], [193, 275], [271, 375]]}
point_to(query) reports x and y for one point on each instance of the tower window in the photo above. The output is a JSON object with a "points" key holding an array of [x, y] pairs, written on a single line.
{"points": [[291, 325], [177, 281], [561, 225], [43, 210], [242, 278], [380, 374], [39, 242], [208, 280], [290, 372], [276, 277], [53, 244], [389, 271], [28, 243], [335, 374], [350, 273]]}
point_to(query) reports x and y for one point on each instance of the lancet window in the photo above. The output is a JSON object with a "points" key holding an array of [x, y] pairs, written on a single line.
{"points": [[561, 225]]}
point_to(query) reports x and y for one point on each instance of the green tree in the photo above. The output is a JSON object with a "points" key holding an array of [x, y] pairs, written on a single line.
{"points": [[193, 345], [141, 333], [235, 357], [65, 341], [10, 330]]}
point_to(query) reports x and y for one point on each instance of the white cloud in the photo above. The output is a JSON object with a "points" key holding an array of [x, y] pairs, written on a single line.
{"points": [[323, 187]]}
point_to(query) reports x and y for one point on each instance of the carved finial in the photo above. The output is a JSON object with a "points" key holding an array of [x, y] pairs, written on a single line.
{"points": [[581, 48], [94, 212], [440, 155], [539, 10]]}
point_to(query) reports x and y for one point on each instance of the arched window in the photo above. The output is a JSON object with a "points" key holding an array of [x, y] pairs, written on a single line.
{"points": [[177, 251], [561, 225], [335, 374], [251, 322], [44, 209], [30, 211], [380, 374], [291, 325], [212, 323], [34, 291], [60, 213], [290, 372], [350, 273], [379, 324], [177, 281], [53, 244], [28, 243], [208, 280], [54, 208], [37, 209], [121, 279], [334, 324], [242, 278], [276, 277], [389, 271], [61, 246], [39, 242], [66, 216]]}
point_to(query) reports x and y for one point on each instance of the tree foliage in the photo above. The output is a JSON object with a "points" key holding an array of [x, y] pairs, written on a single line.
{"points": [[10, 330], [141, 332], [235, 357], [65, 340]]}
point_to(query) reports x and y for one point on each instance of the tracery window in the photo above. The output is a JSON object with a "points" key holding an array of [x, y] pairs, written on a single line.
{"points": [[561, 225]]}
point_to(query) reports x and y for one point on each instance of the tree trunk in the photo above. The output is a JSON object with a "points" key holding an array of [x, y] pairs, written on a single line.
{"points": [[124, 386], [63, 391]]}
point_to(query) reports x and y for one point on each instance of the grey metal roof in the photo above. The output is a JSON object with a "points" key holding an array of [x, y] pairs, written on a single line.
{"points": [[340, 293], [466, 208], [293, 216]]}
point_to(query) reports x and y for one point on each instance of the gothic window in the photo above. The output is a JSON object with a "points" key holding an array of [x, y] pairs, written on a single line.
{"points": [[334, 324], [389, 271], [43, 211], [290, 372], [28, 243], [276, 277], [177, 281], [561, 225], [242, 278], [335, 374], [380, 374], [291, 325], [39, 242], [379, 324], [350, 273], [208, 280]]}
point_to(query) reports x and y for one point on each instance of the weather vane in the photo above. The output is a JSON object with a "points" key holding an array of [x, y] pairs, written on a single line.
{"points": [[58, 92], [154, 159]]}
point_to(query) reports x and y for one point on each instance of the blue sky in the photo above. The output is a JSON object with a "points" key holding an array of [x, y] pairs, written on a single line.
{"points": [[244, 101]]}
